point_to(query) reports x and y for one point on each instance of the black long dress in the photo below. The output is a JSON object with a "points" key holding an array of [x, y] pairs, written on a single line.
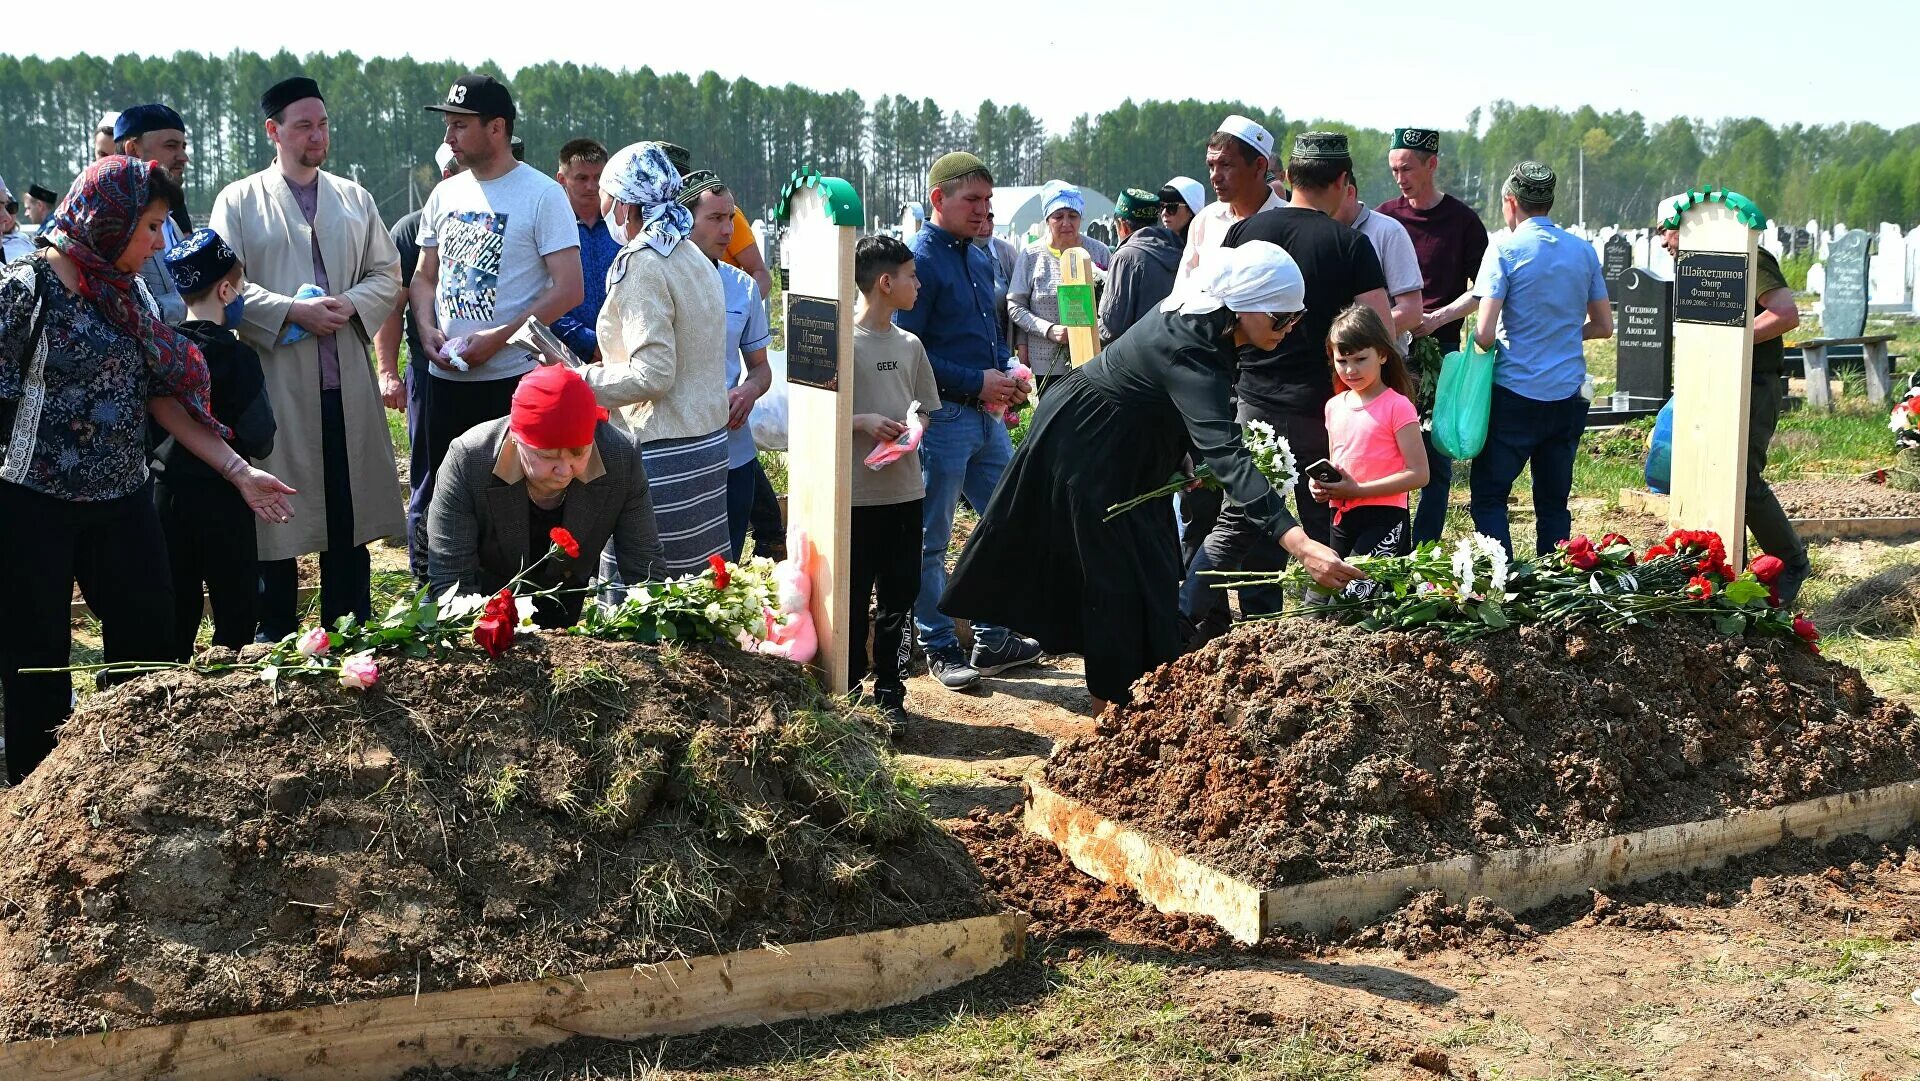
{"points": [[1042, 560]]}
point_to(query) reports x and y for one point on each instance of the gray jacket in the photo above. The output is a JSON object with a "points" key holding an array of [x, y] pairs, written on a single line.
{"points": [[477, 526]]}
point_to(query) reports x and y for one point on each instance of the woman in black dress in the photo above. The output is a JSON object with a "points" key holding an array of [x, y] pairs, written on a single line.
{"points": [[1044, 561]]}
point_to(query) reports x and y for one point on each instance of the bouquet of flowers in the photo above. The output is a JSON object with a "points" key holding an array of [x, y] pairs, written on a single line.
{"points": [[1904, 421], [726, 602], [1272, 455], [1474, 589]]}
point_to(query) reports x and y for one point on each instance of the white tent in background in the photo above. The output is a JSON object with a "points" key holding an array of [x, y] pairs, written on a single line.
{"points": [[1016, 211]]}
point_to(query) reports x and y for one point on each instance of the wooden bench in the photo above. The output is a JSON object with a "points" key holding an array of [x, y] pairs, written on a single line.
{"points": [[1818, 356]]}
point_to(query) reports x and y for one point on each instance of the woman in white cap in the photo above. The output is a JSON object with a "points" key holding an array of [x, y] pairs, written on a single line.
{"points": [[1033, 296], [1180, 199], [1045, 560]]}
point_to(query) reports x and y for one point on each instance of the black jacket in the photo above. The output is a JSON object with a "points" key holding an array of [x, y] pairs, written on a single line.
{"points": [[1140, 278], [239, 402]]}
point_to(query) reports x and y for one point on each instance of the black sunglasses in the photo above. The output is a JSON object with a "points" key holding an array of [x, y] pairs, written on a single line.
{"points": [[13, 207], [1283, 320]]}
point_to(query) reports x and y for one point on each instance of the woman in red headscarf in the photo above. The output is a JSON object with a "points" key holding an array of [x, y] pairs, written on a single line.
{"points": [[84, 361], [553, 462]]}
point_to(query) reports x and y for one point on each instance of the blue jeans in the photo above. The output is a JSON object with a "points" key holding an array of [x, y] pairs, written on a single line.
{"points": [[963, 453], [419, 470], [1430, 515], [1522, 431], [740, 484]]}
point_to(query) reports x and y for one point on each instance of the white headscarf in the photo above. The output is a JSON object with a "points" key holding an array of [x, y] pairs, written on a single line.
{"points": [[1060, 195], [641, 176], [1257, 276]]}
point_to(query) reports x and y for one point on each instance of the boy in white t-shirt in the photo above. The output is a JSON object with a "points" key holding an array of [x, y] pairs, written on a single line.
{"points": [[890, 372], [497, 244]]}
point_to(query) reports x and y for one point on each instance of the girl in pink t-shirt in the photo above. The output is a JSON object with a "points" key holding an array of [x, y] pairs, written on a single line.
{"points": [[1374, 432]]}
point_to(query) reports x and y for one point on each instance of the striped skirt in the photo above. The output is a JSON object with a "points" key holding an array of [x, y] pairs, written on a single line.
{"points": [[687, 479]]}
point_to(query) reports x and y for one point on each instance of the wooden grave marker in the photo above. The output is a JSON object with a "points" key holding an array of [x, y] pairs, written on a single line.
{"points": [[1077, 312], [823, 216], [1713, 290]]}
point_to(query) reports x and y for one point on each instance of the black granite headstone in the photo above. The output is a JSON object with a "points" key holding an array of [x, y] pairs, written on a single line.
{"points": [[1643, 338], [1844, 310], [813, 342], [1615, 260]]}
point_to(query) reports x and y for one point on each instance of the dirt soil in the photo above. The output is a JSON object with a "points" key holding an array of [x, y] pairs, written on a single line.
{"points": [[1833, 497], [1284, 753], [206, 846]]}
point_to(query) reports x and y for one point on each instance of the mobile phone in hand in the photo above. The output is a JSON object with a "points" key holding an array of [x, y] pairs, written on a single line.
{"points": [[1325, 472]]}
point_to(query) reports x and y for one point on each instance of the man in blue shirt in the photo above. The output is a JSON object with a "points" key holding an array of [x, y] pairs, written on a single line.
{"points": [[581, 161], [965, 448], [1543, 291]]}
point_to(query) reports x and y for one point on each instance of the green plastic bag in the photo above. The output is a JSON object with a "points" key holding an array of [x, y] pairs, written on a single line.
{"points": [[1463, 399]]}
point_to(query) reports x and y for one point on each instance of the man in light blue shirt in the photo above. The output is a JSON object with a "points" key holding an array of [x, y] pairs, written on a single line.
{"points": [[1542, 290], [748, 335]]}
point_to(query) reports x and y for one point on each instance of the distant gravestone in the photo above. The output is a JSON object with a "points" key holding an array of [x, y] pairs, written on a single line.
{"points": [[1817, 279], [1844, 292], [1615, 261], [1643, 338], [1888, 271]]}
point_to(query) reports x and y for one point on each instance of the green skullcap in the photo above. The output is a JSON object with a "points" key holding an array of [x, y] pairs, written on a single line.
{"points": [[1531, 182], [1138, 206], [954, 166], [1309, 145], [1425, 139]]}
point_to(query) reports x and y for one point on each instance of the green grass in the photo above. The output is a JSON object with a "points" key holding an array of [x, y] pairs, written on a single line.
{"points": [[1850, 957]]}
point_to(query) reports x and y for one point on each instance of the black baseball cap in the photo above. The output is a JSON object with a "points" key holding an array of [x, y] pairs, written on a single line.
{"points": [[477, 95]]}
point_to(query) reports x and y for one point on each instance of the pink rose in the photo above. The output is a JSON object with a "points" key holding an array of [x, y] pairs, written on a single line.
{"points": [[358, 672], [314, 643]]}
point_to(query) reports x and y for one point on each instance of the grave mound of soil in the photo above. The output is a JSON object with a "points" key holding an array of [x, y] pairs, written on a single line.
{"points": [[1828, 498], [1288, 752], [207, 846]]}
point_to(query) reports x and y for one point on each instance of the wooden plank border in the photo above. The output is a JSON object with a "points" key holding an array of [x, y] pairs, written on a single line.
{"points": [[1653, 503], [1517, 880], [378, 1039]]}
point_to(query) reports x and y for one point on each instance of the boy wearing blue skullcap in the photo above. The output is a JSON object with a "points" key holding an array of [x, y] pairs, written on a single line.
{"points": [[209, 528]]}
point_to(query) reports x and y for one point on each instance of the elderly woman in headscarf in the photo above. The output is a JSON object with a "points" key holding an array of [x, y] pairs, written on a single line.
{"points": [[84, 361], [1033, 294], [1043, 557], [663, 367]]}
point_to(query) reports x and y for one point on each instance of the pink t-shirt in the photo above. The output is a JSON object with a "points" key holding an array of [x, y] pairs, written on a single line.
{"points": [[1362, 435]]}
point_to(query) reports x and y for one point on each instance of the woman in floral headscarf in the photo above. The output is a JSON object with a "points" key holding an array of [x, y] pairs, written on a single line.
{"points": [[663, 369], [84, 361]]}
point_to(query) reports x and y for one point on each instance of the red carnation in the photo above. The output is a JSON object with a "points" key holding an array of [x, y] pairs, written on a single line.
{"points": [[564, 541], [721, 577], [1580, 553], [1657, 551], [500, 606], [1808, 633], [1768, 568], [1612, 539], [1699, 588]]}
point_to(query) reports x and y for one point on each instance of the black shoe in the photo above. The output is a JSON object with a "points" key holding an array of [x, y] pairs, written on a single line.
{"points": [[950, 667], [1792, 578], [892, 703], [1014, 652]]}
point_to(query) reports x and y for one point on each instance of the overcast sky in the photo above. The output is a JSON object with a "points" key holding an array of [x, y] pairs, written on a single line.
{"points": [[1381, 64]]}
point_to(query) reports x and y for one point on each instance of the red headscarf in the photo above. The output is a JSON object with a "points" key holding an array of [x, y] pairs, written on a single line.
{"points": [[554, 409], [92, 227]]}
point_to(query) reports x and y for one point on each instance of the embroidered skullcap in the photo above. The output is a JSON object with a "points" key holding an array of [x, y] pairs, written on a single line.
{"points": [[1257, 276], [1060, 195], [1531, 182], [1320, 145], [1137, 205], [678, 155], [696, 184], [199, 261], [1426, 139]]}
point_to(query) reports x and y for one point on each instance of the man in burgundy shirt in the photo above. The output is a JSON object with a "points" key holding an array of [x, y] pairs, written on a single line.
{"points": [[1449, 240]]}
